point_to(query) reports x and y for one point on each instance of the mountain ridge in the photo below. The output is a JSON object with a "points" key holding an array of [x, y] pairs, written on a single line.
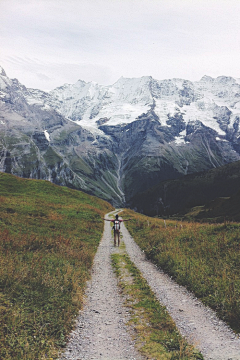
{"points": [[182, 92], [115, 141]]}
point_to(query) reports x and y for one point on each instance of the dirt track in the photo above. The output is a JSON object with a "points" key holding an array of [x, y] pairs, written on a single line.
{"points": [[101, 331]]}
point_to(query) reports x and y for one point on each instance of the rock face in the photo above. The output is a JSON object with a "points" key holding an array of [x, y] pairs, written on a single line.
{"points": [[115, 141], [36, 141]]}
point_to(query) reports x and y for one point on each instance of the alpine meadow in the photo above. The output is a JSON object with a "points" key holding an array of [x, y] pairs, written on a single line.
{"points": [[49, 235], [203, 257]]}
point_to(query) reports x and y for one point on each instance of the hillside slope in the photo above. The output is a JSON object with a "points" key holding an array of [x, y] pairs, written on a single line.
{"points": [[218, 210], [48, 238], [178, 196], [202, 257]]}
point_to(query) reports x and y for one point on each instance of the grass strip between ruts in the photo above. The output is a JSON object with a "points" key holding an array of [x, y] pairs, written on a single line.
{"points": [[155, 332]]}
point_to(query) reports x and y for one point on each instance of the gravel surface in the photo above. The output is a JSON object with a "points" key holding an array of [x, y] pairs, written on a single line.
{"points": [[101, 330], [196, 322]]}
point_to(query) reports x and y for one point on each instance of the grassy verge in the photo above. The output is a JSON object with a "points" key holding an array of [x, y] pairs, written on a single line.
{"points": [[48, 238], [203, 257], [156, 333]]}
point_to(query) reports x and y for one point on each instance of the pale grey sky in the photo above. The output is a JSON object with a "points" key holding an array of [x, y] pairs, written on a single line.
{"points": [[46, 43]]}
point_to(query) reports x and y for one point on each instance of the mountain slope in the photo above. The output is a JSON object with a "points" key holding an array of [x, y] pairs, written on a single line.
{"points": [[218, 210], [38, 142], [180, 195], [115, 141], [161, 129], [49, 236]]}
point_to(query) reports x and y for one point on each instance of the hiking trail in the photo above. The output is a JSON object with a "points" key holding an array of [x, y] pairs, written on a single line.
{"points": [[101, 331]]}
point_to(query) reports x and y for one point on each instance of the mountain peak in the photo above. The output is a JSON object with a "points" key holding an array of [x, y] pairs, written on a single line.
{"points": [[225, 79], [2, 71], [141, 79], [206, 78], [82, 82]]}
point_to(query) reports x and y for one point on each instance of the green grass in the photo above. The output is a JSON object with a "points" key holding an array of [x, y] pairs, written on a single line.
{"points": [[14, 140], [156, 334], [51, 157], [203, 257], [48, 238], [78, 165]]}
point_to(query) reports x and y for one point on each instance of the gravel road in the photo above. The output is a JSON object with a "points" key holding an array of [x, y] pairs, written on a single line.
{"points": [[101, 331]]}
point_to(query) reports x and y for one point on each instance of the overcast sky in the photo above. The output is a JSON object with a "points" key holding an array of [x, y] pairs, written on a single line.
{"points": [[46, 43]]}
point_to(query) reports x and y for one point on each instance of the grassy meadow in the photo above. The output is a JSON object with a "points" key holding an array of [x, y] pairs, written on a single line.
{"points": [[48, 238], [203, 257]]}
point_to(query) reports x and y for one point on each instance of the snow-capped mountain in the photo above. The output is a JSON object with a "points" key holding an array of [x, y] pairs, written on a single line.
{"points": [[117, 140], [214, 102]]}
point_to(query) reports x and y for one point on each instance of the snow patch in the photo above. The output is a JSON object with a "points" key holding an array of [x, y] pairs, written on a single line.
{"points": [[181, 138], [33, 101], [47, 136], [163, 109], [192, 112], [91, 126], [218, 139], [4, 82]]}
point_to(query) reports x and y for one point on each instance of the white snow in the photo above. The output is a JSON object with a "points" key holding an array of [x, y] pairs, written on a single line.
{"points": [[122, 113], [180, 139], [4, 82], [46, 107], [32, 101], [127, 99], [164, 108], [193, 112], [90, 126], [237, 80], [218, 139], [47, 135]]}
